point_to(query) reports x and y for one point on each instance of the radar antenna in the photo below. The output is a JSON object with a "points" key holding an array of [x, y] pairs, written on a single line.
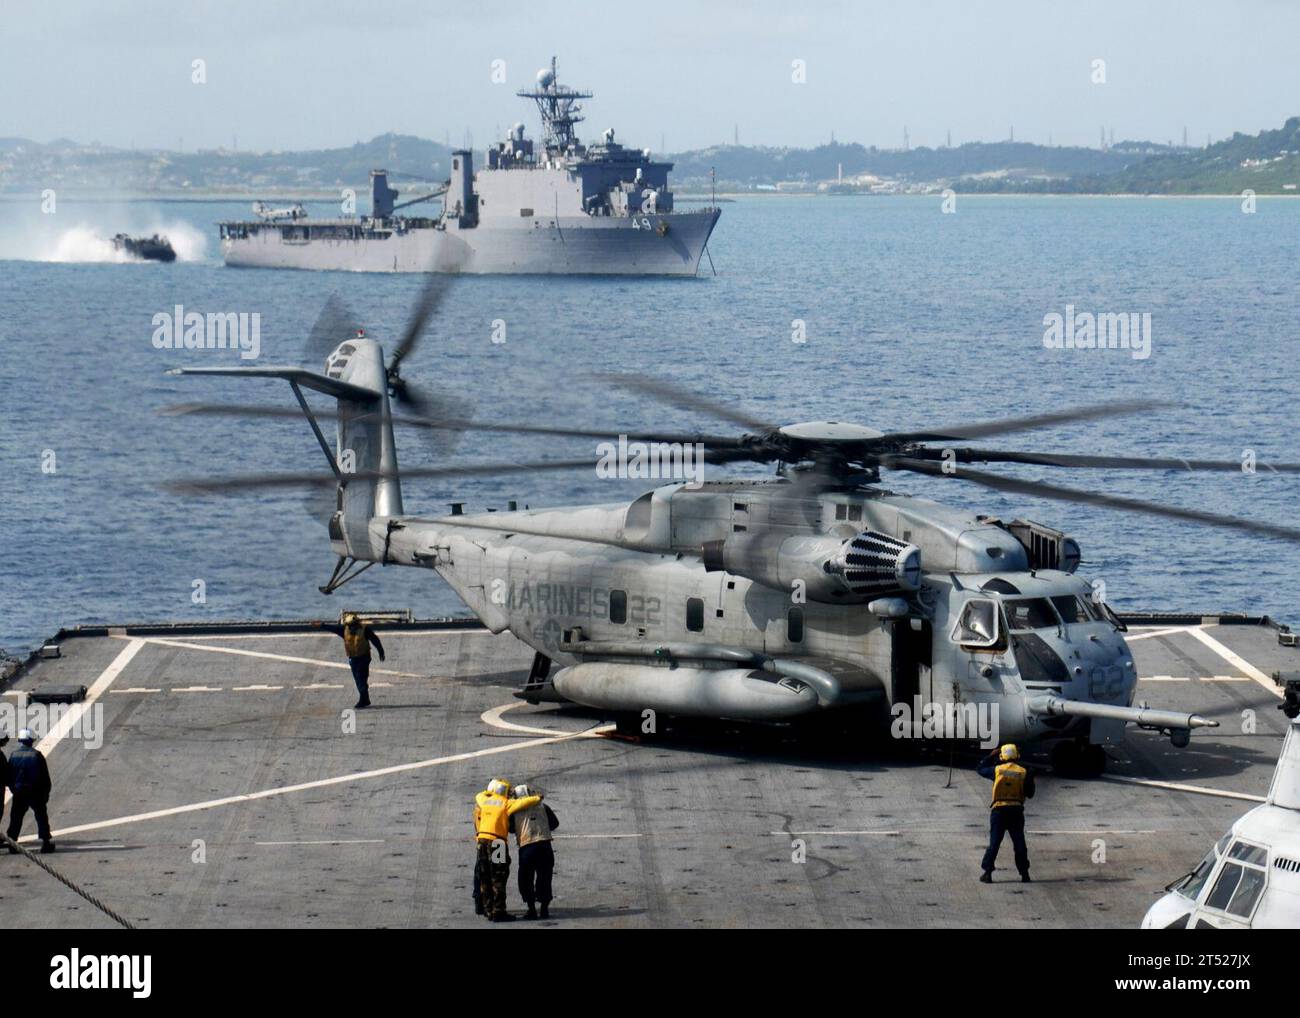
{"points": [[559, 109]]}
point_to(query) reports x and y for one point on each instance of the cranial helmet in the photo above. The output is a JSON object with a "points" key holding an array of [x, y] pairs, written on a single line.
{"points": [[520, 792], [1009, 752], [499, 786]]}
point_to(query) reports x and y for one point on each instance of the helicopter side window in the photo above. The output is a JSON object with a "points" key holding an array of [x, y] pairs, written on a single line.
{"points": [[694, 614], [794, 625], [978, 625], [618, 607], [1030, 613]]}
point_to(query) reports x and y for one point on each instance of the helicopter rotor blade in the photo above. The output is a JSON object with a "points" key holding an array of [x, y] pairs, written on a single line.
{"points": [[431, 295], [228, 485], [679, 396], [1030, 422], [1038, 489], [1073, 461], [457, 422]]}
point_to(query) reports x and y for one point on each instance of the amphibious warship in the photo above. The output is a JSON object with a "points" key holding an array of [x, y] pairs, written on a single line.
{"points": [[566, 209]]}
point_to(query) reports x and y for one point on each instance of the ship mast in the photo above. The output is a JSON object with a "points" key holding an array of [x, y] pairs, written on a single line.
{"points": [[559, 109]]}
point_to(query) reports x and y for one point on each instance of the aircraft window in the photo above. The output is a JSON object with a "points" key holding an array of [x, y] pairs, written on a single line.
{"points": [[1180, 923], [978, 625], [1224, 888], [855, 513], [1072, 609], [618, 606], [794, 625], [694, 614], [1247, 893], [1249, 853], [1030, 613], [1194, 881], [841, 512]]}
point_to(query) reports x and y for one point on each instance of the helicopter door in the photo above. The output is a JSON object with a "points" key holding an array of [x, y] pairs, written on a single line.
{"points": [[910, 671]]}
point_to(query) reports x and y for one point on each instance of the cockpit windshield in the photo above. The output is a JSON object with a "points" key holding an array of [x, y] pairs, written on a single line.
{"points": [[1073, 608], [1190, 886], [1029, 613]]}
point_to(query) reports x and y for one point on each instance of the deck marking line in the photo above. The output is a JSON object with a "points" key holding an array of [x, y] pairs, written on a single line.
{"points": [[273, 657], [493, 718], [332, 841], [1237, 661], [1159, 632], [396, 634], [948, 831], [341, 779], [96, 690], [1179, 787]]}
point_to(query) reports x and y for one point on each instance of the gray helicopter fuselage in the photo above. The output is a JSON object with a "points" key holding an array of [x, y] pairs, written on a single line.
{"points": [[608, 592]]}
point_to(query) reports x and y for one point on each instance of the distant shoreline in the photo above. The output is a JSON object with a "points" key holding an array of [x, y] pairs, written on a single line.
{"points": [[206, 198]]}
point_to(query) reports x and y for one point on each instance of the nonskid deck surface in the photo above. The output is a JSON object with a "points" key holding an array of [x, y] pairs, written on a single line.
{"points": [[227, 793]]}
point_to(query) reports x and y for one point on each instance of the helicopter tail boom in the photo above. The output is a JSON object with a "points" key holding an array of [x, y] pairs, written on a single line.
{"points": [[364, 456]]}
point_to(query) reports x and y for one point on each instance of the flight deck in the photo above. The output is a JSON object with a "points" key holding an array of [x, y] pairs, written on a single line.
{"points": [[232, 786]]}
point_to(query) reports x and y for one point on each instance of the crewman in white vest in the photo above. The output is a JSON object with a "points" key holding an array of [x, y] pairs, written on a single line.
{"points": [[532, 828]]}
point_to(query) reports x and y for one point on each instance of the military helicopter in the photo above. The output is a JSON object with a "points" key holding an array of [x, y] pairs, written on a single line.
{"points": [[766, 600], [1250, 879]]}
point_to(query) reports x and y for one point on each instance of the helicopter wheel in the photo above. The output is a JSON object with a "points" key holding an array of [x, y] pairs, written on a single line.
{"points": [[1077, 758], [1092, 758], [628, 724], [1065, 758]]}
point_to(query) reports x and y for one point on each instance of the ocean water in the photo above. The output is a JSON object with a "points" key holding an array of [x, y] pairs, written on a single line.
{"points": [[912, 317]]}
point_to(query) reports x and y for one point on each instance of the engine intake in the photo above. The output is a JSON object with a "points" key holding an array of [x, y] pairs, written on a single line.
{"points": [[830, 569]]}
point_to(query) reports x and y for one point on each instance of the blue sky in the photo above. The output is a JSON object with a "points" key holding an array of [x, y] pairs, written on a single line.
{"points": [[298, 74]]}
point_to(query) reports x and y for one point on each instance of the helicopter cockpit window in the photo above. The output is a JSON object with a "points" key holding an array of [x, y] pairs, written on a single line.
{"points": [[978, 625], [1191, 885], [1073, 609], [1030, 613], [1238, 888]]}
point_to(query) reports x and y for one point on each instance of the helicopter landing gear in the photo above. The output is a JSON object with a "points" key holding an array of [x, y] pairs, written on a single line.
{"points": [[1078, 758], [628, 725]]}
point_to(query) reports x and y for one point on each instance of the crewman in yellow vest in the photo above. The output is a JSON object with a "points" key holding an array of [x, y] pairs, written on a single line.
{"points": [[1012, 785], [357, 638], [492, 810]]}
